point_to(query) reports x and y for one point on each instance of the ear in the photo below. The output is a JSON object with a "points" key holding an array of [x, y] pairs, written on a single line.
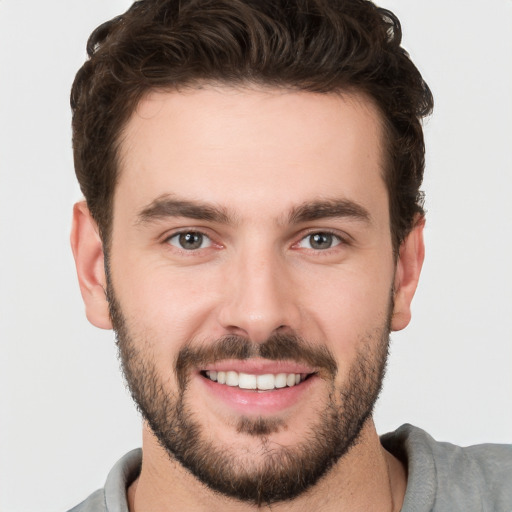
{"points": [[408, 269], [90, 266]]}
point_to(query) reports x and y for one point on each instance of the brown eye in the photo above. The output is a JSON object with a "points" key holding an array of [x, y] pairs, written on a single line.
{"points": [[190, 240]]}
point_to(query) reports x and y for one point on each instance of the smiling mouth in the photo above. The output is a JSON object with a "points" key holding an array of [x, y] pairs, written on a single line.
{"points": [[265, 382]]}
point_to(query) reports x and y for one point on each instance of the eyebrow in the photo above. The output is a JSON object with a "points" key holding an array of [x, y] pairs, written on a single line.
{"points": [[170, 206], [328, 208]]}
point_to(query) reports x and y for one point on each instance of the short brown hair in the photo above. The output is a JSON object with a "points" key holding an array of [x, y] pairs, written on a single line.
{"points": [[312, 45]]}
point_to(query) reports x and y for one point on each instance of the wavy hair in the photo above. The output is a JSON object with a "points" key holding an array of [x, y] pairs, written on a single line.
{"points": [[321, 46]]}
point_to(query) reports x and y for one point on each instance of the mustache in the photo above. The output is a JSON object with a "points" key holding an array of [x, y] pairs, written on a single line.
{"points": [[278, 347]]}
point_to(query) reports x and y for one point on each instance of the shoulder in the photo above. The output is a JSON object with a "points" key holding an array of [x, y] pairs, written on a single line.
{"points": [[94, 503], [444, 476], [112, 498]]}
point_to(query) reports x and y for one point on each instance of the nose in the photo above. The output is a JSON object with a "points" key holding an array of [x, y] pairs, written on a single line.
{"points": [[259, 297]]}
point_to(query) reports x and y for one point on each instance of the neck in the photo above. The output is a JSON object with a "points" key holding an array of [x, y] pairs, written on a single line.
{"points": [[366, 478]]}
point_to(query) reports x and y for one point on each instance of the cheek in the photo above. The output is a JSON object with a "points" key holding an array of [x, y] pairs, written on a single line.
{"points": [[348, 307], [169, 307]]}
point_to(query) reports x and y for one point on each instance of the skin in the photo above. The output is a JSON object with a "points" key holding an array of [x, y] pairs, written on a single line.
{"points": [[258, 155]]}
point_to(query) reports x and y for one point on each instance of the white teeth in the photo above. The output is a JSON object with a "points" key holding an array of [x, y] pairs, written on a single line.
{"points": [[212, 375], [280, 380], [247, 381], [232, 379], [264, 382]]}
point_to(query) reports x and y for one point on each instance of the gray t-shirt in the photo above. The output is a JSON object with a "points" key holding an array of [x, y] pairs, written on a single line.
{"points": [[442, 477]]}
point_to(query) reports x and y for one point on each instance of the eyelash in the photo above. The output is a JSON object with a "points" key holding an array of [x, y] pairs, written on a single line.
{"points": [[185, 232], [341, 240], [338, 238]]}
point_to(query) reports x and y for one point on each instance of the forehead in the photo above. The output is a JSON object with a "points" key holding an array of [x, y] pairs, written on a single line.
{"points": [[276, 147]]}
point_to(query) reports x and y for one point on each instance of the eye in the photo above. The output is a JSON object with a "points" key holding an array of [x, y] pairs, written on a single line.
{"points": [[190, 240], [320, 241]]}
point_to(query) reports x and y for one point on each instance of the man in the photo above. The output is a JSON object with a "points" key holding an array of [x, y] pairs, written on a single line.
{"points": [[252, 231]]}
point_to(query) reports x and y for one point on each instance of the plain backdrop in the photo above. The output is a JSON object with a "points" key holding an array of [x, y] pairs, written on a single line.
{"points": [[65, 416]]}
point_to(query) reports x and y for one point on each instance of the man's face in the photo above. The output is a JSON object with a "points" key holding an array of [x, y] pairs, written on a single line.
{"points": [[251, 247]]}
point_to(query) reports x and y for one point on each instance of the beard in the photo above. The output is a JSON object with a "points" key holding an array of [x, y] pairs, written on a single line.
{"points": [[282, 472]]}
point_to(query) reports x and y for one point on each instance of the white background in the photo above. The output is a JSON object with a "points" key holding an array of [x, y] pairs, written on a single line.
{"points": [[65, 416]]}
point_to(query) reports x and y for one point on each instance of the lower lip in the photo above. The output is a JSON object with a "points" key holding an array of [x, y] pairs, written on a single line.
{"points": [[258, 402]]}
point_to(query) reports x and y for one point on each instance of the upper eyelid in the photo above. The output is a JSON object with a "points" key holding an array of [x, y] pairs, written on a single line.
{"points": [[341, 240], [179, 231], [342, 235], [185, 231], [189, 252]]}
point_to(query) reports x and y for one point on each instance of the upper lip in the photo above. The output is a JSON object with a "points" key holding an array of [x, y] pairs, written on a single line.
{"points": [[257, 366]]}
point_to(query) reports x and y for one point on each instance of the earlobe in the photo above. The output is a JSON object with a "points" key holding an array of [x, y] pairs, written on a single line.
{"points": [[408, 269], [89, 260]]}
